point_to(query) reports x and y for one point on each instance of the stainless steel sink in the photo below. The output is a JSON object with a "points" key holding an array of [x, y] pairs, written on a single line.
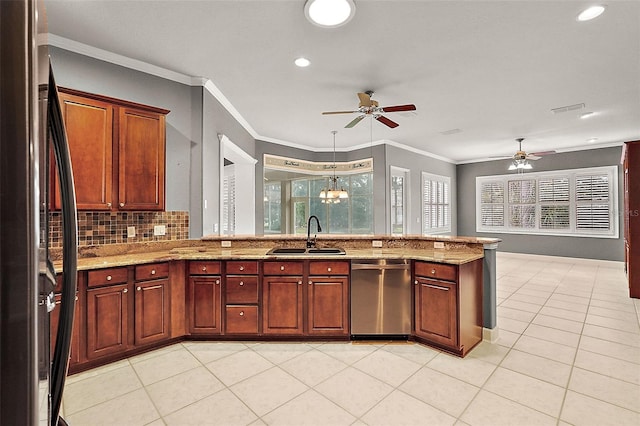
{"points": [[287, 250], [325, 250], [302, 251]]}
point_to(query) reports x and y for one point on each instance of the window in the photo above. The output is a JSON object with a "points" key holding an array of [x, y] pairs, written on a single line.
{"points": [[272, 207], [579, 202], [399, 208], [436, 207], [353, 215]]}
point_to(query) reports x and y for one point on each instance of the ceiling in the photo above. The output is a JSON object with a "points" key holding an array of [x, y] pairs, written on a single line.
{"points": [[492, 70]]}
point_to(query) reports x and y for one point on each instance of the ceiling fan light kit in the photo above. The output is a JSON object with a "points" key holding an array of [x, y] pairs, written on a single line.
{"points": [[329, 13], [333, 195]]}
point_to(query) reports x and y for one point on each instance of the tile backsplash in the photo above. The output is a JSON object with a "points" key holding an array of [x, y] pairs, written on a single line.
{"points": [[95, 228]]}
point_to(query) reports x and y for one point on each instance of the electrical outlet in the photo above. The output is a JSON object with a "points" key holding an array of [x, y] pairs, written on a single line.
{"points": [[225, 243], [376, 243], [438, 244], [159, 230], [131, 231]]}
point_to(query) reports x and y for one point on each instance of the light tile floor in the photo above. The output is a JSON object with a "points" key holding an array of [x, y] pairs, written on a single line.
{"points": [[568, 354]]}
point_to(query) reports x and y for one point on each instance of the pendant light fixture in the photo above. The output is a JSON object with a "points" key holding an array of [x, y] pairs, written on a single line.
{"points": [[333, 195]]}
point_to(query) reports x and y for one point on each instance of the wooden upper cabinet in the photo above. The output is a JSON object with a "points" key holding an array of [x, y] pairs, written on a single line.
{"points": [[141, 160], [89, 125], [117, 152]]}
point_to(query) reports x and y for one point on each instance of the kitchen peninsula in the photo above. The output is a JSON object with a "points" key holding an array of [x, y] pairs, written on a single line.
{"points": [[136, 297]]}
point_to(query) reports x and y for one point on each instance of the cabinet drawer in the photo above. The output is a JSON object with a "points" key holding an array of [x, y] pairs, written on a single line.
{"points": [[242, 289], [283, 268], [110, 276], [436, 270], [204, 267], [242, 320], [328, 268], [241, 267], [152, 271]]}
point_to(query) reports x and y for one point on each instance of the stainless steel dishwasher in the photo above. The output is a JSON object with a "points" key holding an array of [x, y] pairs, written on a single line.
{"points": [[380, 298]]}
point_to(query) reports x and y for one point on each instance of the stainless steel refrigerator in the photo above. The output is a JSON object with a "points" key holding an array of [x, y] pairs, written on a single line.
{"points": [[32, 376]]}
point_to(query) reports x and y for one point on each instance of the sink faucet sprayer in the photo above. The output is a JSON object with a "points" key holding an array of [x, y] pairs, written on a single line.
{"points": [[309, 242]]}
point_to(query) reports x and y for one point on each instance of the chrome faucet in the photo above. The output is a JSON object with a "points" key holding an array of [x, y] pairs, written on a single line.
{"points": [[309, 242]]}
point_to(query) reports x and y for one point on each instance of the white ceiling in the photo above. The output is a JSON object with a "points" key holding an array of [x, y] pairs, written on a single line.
{"points": [[492, 69]]}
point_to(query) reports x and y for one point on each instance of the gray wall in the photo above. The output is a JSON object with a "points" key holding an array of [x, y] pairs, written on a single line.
{"points": [[581, 247], [92, 75], [417, 164]]}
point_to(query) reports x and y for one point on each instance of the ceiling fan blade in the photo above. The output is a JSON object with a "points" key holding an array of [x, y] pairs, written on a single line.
{"points": [[384, 120], [542, 153], [338, 112], [365, 100], [354, 121], [532, 157], [395, 108]]}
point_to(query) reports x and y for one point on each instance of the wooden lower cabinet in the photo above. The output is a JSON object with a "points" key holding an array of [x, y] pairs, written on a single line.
{"points": [[107, 320], [328, 299], [74, 353], [241, 319], [151, 311], [282, 305], [205, 305], [436, 311], [448, 305]]}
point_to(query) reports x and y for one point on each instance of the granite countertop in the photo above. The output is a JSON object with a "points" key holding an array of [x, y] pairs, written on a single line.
{"points": [[455, 257]]}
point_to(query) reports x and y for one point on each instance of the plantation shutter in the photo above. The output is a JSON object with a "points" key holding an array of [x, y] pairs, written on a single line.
{"points": [[592, 202], [553, 194], [492, 204]]}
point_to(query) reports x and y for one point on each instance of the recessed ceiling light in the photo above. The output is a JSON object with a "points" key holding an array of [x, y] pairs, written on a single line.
{"points": [[592, 140], [302, 62], [590, 13], [587, 114], [329, 13]]}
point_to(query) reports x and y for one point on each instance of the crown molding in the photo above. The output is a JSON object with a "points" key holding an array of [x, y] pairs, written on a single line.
{"points": [[209, 86]]}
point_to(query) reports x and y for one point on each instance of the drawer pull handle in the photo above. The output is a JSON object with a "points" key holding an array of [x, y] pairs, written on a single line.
{"points": [[153, 272], [108, 277], [328, 269], [241, 283], [300, 282], [241, 313], [121, 204], [109, 205], [282, 268], [138, 288], [310, 282], [433, 271], [242, 268], [217, 281], [204, 268], [416, 282], [125, 290]]}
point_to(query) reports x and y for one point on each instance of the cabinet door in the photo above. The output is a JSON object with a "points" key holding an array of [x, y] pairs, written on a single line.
{"points": [[436, 312], [89, 124], [205, 305], [328, 312], [151, 311], [107, 320], [141, 160], [74, 354], [282, 305]]}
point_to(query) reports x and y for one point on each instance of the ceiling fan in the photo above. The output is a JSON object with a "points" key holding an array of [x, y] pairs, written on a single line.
{"points": [[369, 106], [520, 157]]}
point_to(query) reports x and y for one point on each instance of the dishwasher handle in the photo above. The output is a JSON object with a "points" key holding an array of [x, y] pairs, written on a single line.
{"points": [[369, 266]]}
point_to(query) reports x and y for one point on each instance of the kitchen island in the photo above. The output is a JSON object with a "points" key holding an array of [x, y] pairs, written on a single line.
{"points": [[135, 297]]}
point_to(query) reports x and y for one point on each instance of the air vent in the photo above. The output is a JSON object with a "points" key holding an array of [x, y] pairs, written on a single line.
{"points": [[567, 108]]}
